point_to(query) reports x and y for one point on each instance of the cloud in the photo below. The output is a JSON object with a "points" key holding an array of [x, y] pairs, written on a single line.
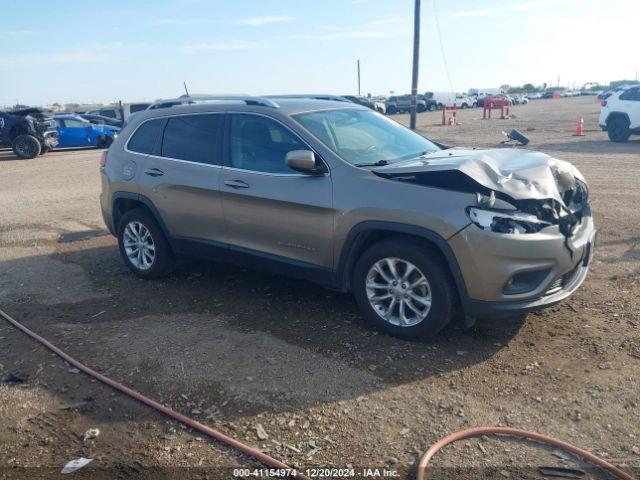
{"points": [[173, 22], [373, 29], [514, 7], [17, 32], [216, 47], [259, 21], [53, 58]]}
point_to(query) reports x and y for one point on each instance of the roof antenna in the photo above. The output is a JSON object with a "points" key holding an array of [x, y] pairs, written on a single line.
{"points": [[185, 88]]}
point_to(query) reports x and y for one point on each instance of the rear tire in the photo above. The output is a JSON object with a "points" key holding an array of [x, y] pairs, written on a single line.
{"points": [[431, 107], [138, 231], [391, 110], [26, 146], [618, 129], [438, 287]]}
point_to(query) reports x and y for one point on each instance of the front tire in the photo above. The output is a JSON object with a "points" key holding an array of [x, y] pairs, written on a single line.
{"points": [[143, 246], [618, 129], [391, 110], [26, 146], [403, 287]]}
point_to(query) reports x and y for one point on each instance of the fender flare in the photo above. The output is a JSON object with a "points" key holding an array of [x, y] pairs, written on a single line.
{"points": [[347, 257], [146, 202], [625, 115]]}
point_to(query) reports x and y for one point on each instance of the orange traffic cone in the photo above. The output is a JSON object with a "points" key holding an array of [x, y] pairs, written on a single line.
{"points": [[579, 127]]}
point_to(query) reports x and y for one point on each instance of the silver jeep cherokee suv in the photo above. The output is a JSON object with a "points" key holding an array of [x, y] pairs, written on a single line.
{"points": [[338, 194]]}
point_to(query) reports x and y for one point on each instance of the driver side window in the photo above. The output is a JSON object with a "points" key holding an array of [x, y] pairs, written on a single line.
{"points": [[260, 144], [71, 123]]}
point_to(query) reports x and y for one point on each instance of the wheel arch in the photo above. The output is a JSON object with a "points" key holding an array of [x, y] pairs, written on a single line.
{"points": [[18, 129], [615, 114], [125, 201], [367, 233]]}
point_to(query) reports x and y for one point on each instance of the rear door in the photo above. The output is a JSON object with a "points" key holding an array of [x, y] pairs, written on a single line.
{"points": [[181, 177], [270, 209]]}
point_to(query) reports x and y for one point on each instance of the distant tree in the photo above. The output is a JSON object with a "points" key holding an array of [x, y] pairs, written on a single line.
{"points": [[619, 83], [529, 88], [505, 87]]}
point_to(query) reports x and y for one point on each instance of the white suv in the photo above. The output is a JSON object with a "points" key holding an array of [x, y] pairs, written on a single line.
{"points": [[620, 114]]}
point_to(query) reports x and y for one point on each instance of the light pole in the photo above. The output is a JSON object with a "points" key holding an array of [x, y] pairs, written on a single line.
{"points": [[416, 57], [358, 77]]}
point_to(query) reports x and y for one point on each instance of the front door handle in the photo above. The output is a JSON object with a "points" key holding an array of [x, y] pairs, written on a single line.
{"points": [[236, 184], [154, 172]]}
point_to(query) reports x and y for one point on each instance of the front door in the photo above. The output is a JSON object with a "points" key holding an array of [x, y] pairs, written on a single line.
{"points": [[73, 133], [268, 207]]}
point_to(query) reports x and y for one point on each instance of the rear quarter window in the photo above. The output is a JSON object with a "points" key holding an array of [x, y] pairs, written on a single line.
{"points": [[145, 137]]}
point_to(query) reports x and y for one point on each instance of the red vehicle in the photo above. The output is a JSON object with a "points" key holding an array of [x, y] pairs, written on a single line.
{"points": [[498, 100]]}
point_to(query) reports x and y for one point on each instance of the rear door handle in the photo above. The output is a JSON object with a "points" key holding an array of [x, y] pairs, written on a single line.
{"points": [[154, 172], [236, 184]]}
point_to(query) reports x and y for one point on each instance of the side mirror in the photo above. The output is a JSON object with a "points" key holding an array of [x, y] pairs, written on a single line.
{"points": [[302, 161]]}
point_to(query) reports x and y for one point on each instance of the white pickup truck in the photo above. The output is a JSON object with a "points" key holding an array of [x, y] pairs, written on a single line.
{"points": [[449, 99]]}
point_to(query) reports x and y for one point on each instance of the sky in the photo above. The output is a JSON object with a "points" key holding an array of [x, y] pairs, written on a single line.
{"points": [[78, 51]]}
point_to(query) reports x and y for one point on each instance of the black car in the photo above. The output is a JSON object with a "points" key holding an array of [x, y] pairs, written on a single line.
{"points": [[101, 120], [28, 132]]}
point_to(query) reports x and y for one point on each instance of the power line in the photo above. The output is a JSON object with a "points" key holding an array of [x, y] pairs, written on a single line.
{"points": [[444, 58]]}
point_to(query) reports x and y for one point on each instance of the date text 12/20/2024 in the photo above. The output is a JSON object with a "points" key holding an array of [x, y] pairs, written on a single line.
{"points": [[323, 473]]}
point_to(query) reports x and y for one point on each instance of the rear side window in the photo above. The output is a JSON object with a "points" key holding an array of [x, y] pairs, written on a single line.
{"points": [[631, 94], [146, 136], [193, 138], [138, 107]]}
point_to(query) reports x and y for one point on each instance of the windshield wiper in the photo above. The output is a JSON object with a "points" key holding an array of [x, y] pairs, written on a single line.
{"points": [[379, 163]]}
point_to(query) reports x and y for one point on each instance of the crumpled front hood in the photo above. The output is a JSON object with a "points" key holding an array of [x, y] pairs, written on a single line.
{"points": [[518, 173]]}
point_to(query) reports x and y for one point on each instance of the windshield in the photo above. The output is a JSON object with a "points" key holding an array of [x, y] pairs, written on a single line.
{"points": [[364, 137]]}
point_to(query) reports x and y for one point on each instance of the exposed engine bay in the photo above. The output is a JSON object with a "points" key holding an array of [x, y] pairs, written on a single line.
{"points": [[517, 191]]}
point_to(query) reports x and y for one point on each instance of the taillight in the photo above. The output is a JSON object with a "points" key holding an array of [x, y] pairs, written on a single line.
{"points": [[603, 103], [103, 158]]}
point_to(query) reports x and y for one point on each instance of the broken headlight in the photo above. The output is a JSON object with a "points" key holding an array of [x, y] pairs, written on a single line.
{"points": [[506, 221]]}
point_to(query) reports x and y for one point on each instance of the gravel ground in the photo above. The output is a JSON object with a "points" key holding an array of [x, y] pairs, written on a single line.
{"points": [[291, 368]]}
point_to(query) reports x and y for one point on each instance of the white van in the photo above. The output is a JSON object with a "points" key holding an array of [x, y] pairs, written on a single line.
{"points": [[449, 99], [120, 112]]}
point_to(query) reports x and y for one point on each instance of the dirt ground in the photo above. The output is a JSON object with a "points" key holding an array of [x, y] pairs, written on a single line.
{"points": [[245, 351]]}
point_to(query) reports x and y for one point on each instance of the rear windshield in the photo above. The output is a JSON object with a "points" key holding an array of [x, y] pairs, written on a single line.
{"points": [[364, 137]]}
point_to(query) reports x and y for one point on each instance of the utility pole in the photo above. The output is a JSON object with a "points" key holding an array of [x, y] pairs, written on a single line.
{"points": [[416, 57], [358, 77]]}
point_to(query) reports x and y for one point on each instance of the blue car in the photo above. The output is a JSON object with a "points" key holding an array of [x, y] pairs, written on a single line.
{"points": [[75, 131]]}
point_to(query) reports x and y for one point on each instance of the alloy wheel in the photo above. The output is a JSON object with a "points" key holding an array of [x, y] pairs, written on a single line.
{"points": [[398, 292], [139, 245]]}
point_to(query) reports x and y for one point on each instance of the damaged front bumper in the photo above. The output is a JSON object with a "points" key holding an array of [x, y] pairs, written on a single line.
{"points": [[554, 267], [50, 139]]}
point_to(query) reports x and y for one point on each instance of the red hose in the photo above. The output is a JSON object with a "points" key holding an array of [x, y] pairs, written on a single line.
{"points": [[513, 432], [252, 452], [273, 463]]}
